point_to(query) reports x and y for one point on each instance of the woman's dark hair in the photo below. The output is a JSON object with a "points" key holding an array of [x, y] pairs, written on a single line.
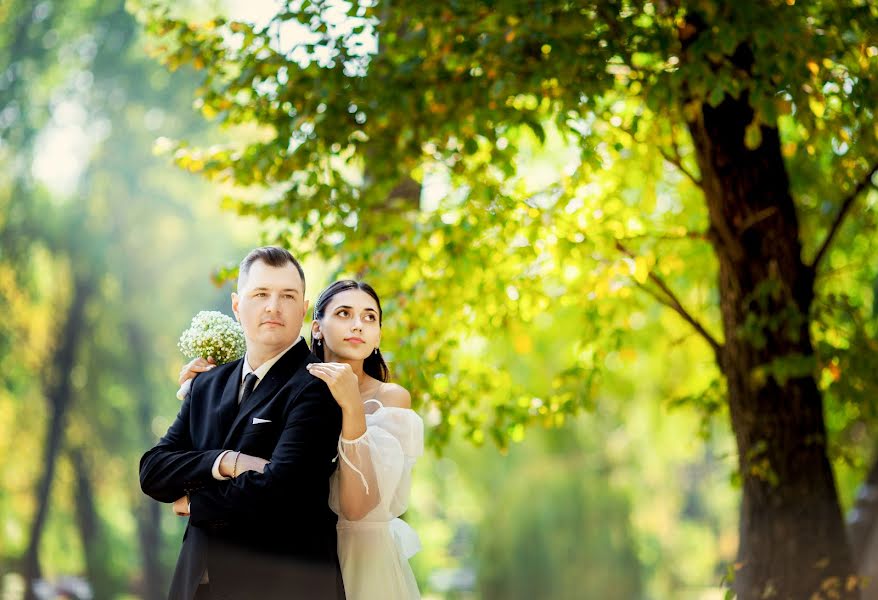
{"points": [[374, 365]]}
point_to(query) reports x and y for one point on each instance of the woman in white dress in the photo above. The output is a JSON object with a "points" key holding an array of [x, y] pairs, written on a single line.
{"points": [[381, 438], [380, 441]]}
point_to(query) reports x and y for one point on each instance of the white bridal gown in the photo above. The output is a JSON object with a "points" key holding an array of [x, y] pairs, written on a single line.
{"points": [[374, 550]]}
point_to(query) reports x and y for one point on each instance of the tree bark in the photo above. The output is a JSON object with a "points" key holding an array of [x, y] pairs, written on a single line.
{"points": [[404, 199], [863, 533], [149, 531], [97, 565], [58, 394], [148, 511], [863, 523], [792, 534]]}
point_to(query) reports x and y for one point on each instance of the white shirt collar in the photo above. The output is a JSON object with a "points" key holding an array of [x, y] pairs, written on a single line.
{"points": [[263, 369]]}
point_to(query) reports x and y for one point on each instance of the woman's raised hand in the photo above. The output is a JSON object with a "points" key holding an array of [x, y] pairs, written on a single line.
{"points": [[342, 382], [194, 367]]}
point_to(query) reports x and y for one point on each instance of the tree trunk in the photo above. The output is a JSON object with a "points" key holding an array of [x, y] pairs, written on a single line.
{"points": [[97, 563], [792, 534], [863, 521], [863, 534], [58, 397], [148, 511], [404, 199], [149, 531]]}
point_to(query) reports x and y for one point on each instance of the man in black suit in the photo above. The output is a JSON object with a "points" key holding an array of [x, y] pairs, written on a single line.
{"points": [[258, 529]]}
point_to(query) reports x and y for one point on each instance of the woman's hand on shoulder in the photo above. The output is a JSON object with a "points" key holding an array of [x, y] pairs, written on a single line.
{"points": [[342, 382], [194, 367], [393, 394]]}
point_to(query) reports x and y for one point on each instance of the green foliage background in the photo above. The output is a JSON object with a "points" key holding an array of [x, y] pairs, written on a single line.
{"points": [[579, 435]]}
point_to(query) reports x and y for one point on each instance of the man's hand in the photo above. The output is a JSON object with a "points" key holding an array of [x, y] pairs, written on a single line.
{"points": [[246, 462], [181, 506]]}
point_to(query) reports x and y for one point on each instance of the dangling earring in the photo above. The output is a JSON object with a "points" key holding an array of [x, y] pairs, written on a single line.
{"points": [[319, 341], [376, 352]]}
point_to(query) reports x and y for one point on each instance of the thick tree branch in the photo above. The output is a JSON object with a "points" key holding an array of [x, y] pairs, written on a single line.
{"points": [[687, 235], [672, 157], [846, 205], [676, 160], [670, 300]]}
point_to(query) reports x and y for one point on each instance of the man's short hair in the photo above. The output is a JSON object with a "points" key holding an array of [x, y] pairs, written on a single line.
{"points": [[273, 256]]}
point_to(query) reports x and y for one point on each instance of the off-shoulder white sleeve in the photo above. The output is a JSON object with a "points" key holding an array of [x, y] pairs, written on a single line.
{"points": [[382, 458]]}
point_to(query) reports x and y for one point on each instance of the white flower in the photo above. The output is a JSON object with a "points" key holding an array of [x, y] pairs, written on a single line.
{"points": [[215, 334]]}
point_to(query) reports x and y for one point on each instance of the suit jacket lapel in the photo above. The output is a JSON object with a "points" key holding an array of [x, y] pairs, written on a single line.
{"points": [[276, 377], [228, 406]]}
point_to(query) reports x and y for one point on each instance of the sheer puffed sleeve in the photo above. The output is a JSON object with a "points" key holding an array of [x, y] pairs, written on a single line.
{"points": [[381, 460]]}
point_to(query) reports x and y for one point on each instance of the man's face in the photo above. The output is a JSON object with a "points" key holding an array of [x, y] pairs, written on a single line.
{"points": [[270, 304]]}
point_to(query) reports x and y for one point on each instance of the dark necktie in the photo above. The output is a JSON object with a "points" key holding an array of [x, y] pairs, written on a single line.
{"points": [[249, 383]]}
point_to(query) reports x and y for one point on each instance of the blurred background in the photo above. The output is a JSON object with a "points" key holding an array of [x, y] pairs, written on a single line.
{"points": [[579, 437]]}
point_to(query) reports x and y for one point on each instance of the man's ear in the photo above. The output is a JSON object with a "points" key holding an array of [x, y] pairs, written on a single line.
{"points": [[305, 310], [235, 305]]}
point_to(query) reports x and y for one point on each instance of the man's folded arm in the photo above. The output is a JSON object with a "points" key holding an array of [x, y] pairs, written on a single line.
{"points": [[173, 468], [303, 458]]}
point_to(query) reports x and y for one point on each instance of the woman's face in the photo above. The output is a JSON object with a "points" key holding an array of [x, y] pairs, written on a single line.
{"points": [[349, 327]]}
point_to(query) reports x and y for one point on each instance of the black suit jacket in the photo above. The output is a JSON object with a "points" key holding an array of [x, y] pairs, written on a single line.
{"points": [[261, 535]]}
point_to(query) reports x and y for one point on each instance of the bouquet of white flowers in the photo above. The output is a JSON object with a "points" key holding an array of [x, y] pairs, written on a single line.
{"points": [[211, 333]]}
